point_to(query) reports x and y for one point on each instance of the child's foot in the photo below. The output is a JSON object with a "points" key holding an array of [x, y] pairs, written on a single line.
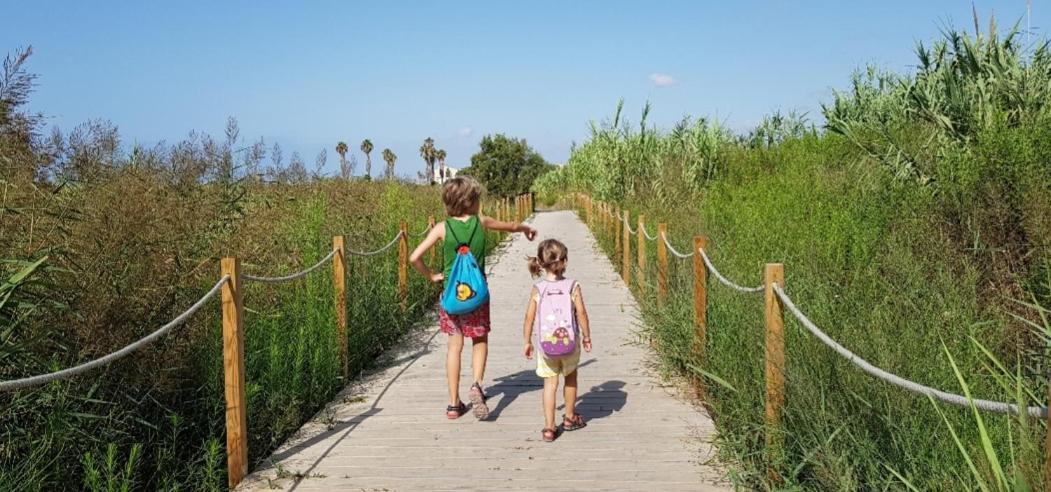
{"points": [[455, 411], [572, 424], [549, 434], [481, 410]]}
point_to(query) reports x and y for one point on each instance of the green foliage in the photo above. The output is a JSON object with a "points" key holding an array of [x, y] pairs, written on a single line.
{"points": [[964, 86], [907, 232], [507, 166], [618, 163], [98, 247]]}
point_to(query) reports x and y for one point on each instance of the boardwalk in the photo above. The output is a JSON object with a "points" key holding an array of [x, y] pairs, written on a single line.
{"points": [[389, 431]]}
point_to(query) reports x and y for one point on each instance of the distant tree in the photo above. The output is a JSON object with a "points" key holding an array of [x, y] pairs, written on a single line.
{"points": [[427, 152], [297, 169], [390, 157], [366, 147], [253, 158], [344, 171], [440, 154], [319, 163], [276, 171], [506, 166]]}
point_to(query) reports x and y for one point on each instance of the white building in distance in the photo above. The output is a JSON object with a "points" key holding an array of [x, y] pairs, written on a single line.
{"points": [[450, 172]]}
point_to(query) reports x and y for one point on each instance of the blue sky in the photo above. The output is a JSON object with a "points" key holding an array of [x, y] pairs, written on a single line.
{"points": [[307, 74]]}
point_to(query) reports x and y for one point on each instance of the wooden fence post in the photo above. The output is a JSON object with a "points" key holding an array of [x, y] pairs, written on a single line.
{"points": [[234, 373], [616, 234], [339, 284], [625, 268], [662, 264], [590, 210], [774, 273], [607, 219], [700, 312], [641, 246], [403, 266]]}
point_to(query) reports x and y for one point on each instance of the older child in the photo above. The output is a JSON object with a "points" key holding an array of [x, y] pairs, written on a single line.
{"points": [[462, 196], [561, 307]]}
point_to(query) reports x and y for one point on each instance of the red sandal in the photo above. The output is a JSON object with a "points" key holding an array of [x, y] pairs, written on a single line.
{"points": [[454, 412], [572, 424], [549, 434]]}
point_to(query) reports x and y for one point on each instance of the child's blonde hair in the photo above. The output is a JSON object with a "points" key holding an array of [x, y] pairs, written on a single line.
{"points": [[461, 195], [551, 256]]}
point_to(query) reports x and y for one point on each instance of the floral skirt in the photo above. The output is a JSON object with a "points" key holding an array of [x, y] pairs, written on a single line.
{"points": [[473, 324]]}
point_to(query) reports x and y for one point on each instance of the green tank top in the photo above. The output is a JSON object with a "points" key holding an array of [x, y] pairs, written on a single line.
{"points": [[459, 232]]}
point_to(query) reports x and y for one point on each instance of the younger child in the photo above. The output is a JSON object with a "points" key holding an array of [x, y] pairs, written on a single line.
{"points": [[551, 257], [462, 196]]}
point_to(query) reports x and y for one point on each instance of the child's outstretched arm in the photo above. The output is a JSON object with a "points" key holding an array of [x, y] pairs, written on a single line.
{"points": [[582, 317], [496, 225], [530, 317], [416, 258]]}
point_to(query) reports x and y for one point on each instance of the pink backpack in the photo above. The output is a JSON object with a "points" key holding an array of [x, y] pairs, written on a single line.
{"points": [[556, 324]]}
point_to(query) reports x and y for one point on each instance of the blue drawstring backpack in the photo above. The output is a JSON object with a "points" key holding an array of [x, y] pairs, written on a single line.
{"points": [[465, 289]]}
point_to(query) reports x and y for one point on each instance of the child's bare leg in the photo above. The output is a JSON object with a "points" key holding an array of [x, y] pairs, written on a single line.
{"points": [[452, 367], [550, 392], [479, 354], [570, 394]]}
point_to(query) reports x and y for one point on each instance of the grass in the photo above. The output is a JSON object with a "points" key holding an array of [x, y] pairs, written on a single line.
{"points": [[872, 270], [913, 229], [157, 417]]}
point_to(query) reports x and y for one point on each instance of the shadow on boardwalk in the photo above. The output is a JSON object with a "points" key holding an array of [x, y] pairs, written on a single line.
{"points": [[346, 427], [599, 402]]}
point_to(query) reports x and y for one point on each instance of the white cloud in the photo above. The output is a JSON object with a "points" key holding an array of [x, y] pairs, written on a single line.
{"points": [[465, 131], [663, 80]]}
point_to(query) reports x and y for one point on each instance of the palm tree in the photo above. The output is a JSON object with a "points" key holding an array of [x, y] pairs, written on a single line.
{"points": [[341, 149], [366, 147], [427, 152], [440, 155], [390, 157]]}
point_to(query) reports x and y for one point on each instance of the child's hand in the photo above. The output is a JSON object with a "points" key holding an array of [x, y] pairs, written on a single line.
{"points": [[587, 344], [529, 350], [529, 232], [437, 277]]}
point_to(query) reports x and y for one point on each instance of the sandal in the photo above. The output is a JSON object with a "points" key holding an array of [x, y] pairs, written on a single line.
{"points": [[455, 411], [481, 410], [549, 434], [572, 424]]}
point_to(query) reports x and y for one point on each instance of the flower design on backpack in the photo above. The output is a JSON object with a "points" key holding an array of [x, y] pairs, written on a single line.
{"points": [[464, 291]]}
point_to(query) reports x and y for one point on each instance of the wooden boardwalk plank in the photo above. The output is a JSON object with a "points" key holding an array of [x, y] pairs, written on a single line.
{"points": [[389, 431]]}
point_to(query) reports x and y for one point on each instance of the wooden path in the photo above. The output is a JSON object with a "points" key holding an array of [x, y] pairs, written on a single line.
{"points": [[389, 431]]}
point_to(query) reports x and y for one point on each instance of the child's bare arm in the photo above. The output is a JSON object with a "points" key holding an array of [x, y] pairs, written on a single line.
{"points": [[496, 225], [582, 317], [416, 258], [527, 329]]}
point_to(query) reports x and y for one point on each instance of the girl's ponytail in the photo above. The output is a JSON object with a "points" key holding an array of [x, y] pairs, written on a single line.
{"points": [[534, 266], [550, 256]]}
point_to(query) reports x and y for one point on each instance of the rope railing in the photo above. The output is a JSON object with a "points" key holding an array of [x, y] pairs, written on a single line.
{"points": [[383, 248], [294, 276], [114, 356], [230, 285], [673, 250], [909, 385], [647, 234], [627, 225], [723, 280], [628, 242]]}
